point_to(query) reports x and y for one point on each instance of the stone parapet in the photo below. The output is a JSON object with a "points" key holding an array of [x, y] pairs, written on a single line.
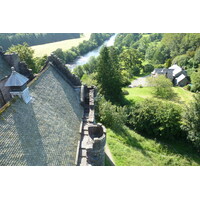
{"points": [[72, 79], [93, 136]]}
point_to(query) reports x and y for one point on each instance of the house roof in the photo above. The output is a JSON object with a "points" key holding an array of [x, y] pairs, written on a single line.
{"points": [[46, 130], [159, 71], [4, 68], [176, 69], [180, 78], [16, 79]]}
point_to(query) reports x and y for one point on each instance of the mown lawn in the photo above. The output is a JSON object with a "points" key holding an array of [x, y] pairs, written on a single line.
{"points": [[138, 94], [129, 148], [41, 50]]}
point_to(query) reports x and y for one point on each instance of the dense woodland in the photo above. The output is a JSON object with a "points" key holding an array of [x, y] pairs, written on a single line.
{"points": [[9, 39]]}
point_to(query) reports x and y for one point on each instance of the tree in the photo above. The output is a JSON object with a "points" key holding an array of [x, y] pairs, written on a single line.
{"points": [[191, 119], [40, 62], [148, 68], [109, 75], [156, 118], [25, 54], [197, 57], [131, 60], [195, 79], [162, 87], [60, 54], [78, 71], [181, 60]]}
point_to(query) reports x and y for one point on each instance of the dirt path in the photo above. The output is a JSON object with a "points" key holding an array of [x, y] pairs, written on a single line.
{"points": [[139, 81]]}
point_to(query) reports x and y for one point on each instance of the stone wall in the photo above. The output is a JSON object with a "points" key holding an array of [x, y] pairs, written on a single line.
{"points": [[93, 136], [72, 79]]}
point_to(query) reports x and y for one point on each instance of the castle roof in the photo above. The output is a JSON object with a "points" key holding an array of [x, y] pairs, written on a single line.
{"points": [[4, 68], [16, 79], [46, 130]]}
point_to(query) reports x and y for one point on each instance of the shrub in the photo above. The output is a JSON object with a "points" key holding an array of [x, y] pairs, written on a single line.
{"points": [[110, 115], [148, 68], [162, 87], [140, 86], [191, 119], [156, 118], [195, 79], [125, 92]]}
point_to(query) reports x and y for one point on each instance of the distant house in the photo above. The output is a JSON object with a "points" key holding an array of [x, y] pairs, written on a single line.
{"points": [[175, 73]]}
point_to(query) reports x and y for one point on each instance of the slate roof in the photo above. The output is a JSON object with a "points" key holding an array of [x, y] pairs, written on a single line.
{"points": [[180, 78], [16, 79], [4, 68], [176, 69], [46, 130]]}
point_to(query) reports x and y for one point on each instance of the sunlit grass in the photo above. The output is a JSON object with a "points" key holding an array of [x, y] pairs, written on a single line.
{"points": [[47, 49], [138, 94], [129, 148]]}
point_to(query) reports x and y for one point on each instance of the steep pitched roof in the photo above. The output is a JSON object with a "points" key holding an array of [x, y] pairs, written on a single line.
{"points": [[180, 78], [4, 68], [176, 69], [16, 79], [46, 130]]}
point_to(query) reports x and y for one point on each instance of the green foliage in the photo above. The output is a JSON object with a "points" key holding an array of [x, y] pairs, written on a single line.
{"points": [[25, 54], [195, 79], [40, 62], [191, 119], [89, 79], [156, 118], [128, 148], [110, 115], [9, 39], [148, 68], [181, 60], [161, 54], [109, 75], [168, 63], [96, 39], [162, 87], [150, 51], [197, 57], [78, 71], [60, 54], [180, 43], [130, 59]]}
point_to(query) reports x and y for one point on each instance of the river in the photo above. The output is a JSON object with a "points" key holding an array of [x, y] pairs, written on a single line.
{"points": [[85, 58]]}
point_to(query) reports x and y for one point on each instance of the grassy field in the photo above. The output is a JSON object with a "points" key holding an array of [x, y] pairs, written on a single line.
{"points": [[128, 148], [41, 50], [139, 94]]}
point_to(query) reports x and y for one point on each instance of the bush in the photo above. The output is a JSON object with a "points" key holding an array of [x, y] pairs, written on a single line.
{"points": [[156, 118], [162, 87], [125, 92], [191, 119], [110, 115], [148, 68], [195, 79]]}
